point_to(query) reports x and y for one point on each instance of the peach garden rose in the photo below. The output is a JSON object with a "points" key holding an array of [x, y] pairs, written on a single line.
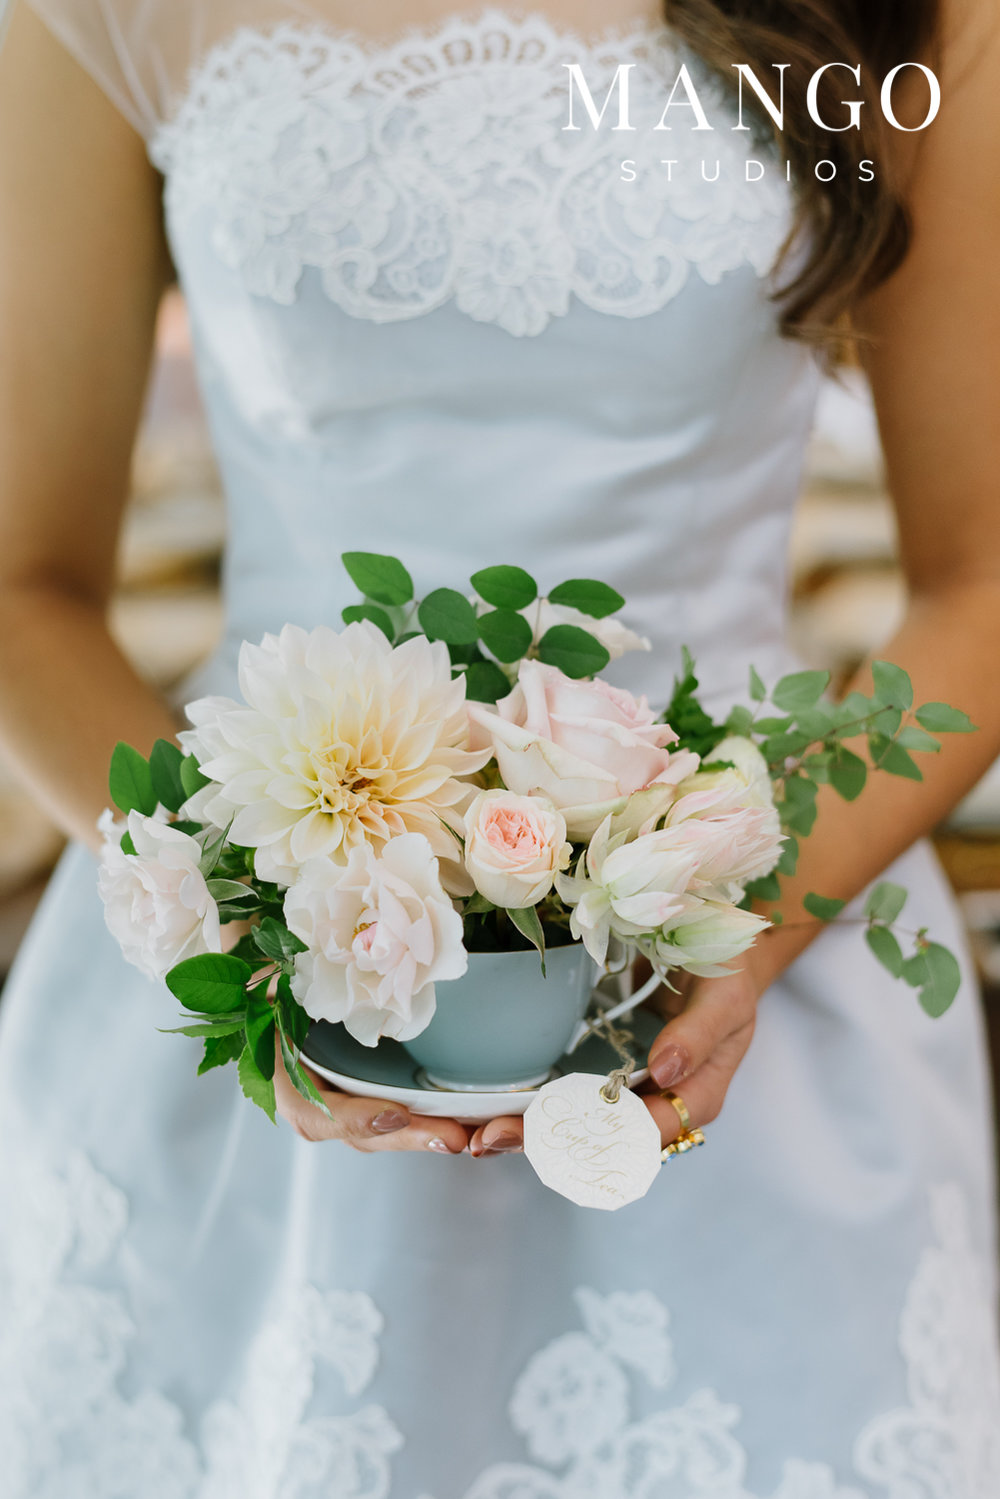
{"points": [[515, 846]]}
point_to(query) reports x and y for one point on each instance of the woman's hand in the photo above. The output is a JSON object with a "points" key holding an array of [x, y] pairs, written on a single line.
{"points": [[701, 1048], [366, 1124]]}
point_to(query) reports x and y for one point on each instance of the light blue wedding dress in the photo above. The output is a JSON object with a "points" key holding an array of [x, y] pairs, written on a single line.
{"points": [[429, 321]]}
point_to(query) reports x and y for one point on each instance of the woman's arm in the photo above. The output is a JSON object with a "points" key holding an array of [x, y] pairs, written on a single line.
{"points": [[82, 268], [934, 362]]}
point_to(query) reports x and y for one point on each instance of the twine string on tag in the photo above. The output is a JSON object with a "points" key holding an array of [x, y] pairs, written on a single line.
{"points": [[611, 1089]]}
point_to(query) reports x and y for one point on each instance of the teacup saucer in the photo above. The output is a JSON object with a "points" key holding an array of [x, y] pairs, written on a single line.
{"points": [[388, 1071]]}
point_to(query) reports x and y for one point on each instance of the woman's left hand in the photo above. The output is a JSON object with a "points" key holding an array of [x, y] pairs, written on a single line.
{"points": [[696, 1054]]}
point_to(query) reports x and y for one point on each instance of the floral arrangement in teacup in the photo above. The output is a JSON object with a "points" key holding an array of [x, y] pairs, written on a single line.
{"points": [[453, 775]]}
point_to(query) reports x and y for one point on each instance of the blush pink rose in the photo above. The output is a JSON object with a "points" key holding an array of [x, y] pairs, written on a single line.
{"points": [[514, 847], [584, 745]]}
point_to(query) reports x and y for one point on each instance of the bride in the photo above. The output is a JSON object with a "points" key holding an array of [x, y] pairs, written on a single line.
{"points": [[431, 321]]}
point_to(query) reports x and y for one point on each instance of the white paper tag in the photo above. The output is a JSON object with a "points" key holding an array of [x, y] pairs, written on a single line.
{"points": [[598, 1154]]}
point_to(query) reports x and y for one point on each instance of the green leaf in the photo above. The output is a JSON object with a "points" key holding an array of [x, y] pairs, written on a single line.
{"points": [[260, 1030], [915, 971], [506, 634], [256, 1087], [886, 722], [573, 651], [773, 725], [211, 852], [885, 947], [219, 1050], [447, 615], [822, 907], [789, 861], [485, 683], [127, 844], [896, 762], [589, 596], [798, 806], [383, 579], [942, 981], [885, 902], [230, 890], [505, 587], [299, 1078], [848, 774], [819, 722], [802, 689], [478, 905], [766, 888], [130, 781], [530, 926], [165, 763], [695, 729], [912, 738], [230, 1027], [276, 941], [740, 721], [758, 691], [856, 706], [292, 1016], [191, 777], [893, 687], [939, 718], [778, 747], [355, 613], [212, 983]]}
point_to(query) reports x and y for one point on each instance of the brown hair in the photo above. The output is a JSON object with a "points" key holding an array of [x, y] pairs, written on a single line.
{"points": [[857, 232]]}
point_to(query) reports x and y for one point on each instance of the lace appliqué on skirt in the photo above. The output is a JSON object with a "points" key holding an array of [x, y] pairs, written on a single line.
{"points": [[438, 169], [67, 1430], [67, 1427]]}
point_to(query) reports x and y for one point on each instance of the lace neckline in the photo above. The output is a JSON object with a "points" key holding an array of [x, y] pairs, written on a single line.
{"points": [[436, 168], [517, 24]]}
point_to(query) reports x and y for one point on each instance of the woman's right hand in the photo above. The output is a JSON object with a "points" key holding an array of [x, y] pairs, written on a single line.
{"points": [[366, 1124]]}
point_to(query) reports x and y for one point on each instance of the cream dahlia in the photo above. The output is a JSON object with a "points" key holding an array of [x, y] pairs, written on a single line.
{"points": [[344, 740]]}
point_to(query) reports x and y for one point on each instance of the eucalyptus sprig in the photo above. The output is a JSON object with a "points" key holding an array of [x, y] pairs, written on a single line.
{"points": [[805, 746]]}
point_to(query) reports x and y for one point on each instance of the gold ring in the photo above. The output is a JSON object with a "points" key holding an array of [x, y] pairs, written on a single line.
{"points": [[688, 1137]]}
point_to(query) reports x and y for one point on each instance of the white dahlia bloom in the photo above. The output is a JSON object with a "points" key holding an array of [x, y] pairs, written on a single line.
{"points": [[379, 931], [156, 901], [345, 740]]}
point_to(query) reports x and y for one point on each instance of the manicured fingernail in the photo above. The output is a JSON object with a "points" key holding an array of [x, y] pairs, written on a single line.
{"points": [[503, 1142], [389, 1121], [669, 1066], [438, 1144]]}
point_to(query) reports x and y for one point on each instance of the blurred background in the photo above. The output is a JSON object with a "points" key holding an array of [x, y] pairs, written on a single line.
{"points": [[848, 596]]}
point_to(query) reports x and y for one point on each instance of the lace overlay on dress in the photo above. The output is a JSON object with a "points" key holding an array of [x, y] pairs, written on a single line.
{"points": [[436, 170], [68, 1428]]}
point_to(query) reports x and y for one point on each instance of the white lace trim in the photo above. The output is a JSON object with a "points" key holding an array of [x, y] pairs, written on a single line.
{"points": [[67, 1431], [68, 1428], [435, 169]]}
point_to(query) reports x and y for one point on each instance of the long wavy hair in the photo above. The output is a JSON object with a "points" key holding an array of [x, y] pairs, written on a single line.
{"points": [[857, 232]]}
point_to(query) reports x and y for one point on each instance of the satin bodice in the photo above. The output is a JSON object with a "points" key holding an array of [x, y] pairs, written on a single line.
{"points": [[433, 322]]}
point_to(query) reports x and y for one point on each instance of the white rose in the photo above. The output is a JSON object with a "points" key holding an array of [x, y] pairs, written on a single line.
{"points": [[743, 782], [615, 637], [742, 753], [629, 890], [380, 932], [585, 745], [514, 848], [156, 901], [712, 938]]}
